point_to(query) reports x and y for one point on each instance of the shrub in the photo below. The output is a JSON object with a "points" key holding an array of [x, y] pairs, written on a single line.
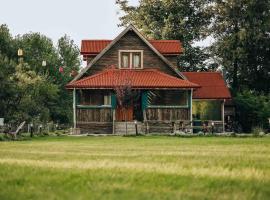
{"points": [[252, 109], [257, 131]]}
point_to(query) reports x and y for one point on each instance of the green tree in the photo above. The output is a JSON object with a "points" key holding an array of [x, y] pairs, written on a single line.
{"points": [[8, 90], [241, 29], [169, 19], [69, 57], [29, 90], [253, 110], [7, 47]]}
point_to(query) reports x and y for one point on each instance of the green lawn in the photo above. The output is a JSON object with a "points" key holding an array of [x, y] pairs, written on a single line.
{"points": [[156, 167]]}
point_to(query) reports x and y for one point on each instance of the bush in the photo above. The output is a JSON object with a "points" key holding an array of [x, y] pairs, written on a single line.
{"points": [[257, 131], [252, 110]]}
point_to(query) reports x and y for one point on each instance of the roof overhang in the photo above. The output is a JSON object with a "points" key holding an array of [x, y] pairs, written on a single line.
{"points": [[137, 79]]}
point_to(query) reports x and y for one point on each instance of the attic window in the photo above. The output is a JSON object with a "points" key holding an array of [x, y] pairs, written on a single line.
{"points": [[130, 59]]}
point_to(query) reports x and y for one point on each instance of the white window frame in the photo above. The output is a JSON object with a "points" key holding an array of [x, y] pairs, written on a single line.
{"points": [[131, 58]]}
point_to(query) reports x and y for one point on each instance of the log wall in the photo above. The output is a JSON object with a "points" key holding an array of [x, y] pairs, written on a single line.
{"points": [[167, 114], [95, 127], [165, 120], [94, 115], [94, 120], [130, 41]]}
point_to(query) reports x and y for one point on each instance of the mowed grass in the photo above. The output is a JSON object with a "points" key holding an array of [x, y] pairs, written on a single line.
{"points": [[153, 167]]}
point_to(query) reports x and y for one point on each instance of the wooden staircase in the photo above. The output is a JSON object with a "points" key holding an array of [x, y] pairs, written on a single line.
{"points": [[120, 128]]}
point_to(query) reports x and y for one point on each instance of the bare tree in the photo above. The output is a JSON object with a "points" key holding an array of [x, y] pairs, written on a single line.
{"points": [[125, 95]]}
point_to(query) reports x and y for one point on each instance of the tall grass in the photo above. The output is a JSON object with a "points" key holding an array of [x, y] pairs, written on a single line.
{"points": [[135, 168]]}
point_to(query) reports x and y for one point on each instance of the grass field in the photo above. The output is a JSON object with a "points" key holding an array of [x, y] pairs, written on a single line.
{"points": [[156, 167]]}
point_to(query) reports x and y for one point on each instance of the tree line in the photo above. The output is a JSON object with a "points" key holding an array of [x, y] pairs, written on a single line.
{"points": [[32, 86], [240, 31], [33, 79]]}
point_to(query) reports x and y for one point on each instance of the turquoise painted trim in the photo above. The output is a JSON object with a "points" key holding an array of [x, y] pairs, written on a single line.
{"points": [[163, 106], [93, 107], [144, 100], [113, 101], [189, 99]]}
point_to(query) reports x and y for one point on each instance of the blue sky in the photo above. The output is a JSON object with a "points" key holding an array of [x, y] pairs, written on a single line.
{"points": [[80, 19]]}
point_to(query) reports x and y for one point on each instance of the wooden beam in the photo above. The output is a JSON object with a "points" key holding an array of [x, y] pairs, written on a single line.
{"points": [[113, 121], [74, 108], [93, 106], [191, 118]]}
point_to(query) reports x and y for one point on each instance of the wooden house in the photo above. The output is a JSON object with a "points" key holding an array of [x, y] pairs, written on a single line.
{"points": [[165, 95]]}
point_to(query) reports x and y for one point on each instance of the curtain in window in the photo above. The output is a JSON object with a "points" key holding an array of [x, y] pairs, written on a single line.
{"points": [[136, 60], [125, 60]]}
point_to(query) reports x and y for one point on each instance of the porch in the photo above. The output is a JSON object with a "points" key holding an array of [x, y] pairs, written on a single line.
{"points": [[97, 111]]}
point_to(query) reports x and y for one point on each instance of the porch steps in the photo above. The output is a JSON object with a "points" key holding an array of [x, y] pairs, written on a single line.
{"points": [[120, 128]]}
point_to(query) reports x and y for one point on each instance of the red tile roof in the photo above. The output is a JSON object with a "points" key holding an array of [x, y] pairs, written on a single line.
{"points": [[167, 47], [212, 85], [137, 78]]}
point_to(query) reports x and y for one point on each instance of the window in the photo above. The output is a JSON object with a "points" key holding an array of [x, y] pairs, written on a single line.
{"points": [[107, 99], [130, 59], [168, 98], [136, 60], [125, 60], [95, 98]]}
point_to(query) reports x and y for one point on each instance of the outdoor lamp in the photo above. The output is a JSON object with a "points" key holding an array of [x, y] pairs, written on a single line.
{"points": [[20, 52]]}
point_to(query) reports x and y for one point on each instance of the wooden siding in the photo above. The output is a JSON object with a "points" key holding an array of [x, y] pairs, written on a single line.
{"points": [[167, 114], [89, 58], [94, 115], [130, 41], [95, 127], [172, 59]]}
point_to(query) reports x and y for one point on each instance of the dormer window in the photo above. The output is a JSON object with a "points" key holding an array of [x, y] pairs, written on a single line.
{"points": [[130, 59]]}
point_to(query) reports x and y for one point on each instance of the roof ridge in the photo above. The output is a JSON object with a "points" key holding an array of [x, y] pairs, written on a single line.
{"points": [[150, 40], [97, 40]]}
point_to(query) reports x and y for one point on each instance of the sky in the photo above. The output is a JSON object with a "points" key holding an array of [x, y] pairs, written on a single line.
{"points": [[79, 19]]}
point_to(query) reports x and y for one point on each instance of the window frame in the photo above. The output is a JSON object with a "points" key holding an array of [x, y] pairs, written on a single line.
{"points": [[130, 59]]}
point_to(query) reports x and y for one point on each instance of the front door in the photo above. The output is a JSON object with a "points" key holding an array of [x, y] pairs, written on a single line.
{"points": [[123, 114]]}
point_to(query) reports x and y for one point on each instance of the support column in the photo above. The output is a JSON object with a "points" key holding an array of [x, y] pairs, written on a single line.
{"points": [[113, 104], [74, 108], [222, 115], [190, 105], [144, 107]]}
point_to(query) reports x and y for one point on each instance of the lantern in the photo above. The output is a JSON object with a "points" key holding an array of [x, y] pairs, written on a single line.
{"points": [[20, 52], [44, 63]]}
